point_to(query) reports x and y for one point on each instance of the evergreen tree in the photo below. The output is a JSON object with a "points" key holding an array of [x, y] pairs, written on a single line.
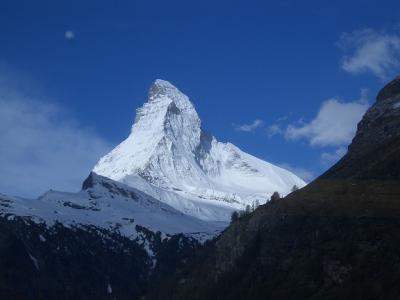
{"points": [[295, 188], [275, 196], [255, 204], [234, 216]]}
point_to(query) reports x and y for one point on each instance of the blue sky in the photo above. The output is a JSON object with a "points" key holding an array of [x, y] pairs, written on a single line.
{"points": [[284, 80]]}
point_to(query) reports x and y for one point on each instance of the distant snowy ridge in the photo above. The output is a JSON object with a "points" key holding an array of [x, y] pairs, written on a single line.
{"points": [[110, 205], [169, 156]]}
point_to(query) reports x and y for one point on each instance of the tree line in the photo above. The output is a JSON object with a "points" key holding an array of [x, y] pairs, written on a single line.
{"points": [[250, 208]]}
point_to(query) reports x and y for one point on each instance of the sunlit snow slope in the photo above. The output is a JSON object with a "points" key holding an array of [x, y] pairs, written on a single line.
{"points": [[110, 205], [168, 156]]}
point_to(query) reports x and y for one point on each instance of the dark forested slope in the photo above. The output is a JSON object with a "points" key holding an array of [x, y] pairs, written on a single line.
{"points": [[337, 238]]}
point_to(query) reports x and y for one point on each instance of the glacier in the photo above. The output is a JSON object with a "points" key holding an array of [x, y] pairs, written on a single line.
{"points": [[170, 157]]}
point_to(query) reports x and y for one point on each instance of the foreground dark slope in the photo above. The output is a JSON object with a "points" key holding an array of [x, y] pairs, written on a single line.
{"points": [[82, 262], [337, 238]]}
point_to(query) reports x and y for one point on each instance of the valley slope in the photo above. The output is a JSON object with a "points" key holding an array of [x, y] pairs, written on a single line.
{"points": [[337, 238]]}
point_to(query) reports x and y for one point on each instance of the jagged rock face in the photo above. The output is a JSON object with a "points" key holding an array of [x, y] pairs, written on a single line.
{"points": [[171, 158], [374, 151], [167, 123], [390, 91]]}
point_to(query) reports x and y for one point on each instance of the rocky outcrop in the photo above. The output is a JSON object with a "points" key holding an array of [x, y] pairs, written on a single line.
{"points": [[390, 91], [374, 151]]}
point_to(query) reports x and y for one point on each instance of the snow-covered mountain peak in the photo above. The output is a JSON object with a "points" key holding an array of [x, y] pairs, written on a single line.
{"points": [[171, 158], [162, 88], [168, 114], [166, 123], [163, 94]]}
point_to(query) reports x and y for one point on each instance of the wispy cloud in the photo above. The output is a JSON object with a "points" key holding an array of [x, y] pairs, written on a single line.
{"points": [[334, 125], [274, 129], [371, 51], [257, 123], [330, 157], [41, 149]]}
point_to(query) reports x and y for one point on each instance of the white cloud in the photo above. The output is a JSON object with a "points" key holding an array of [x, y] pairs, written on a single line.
{"points": [[371, 51], [334, 125], [41, 149], [304, 174], [69, 35], [250, 127], [331, 157], [273, 130]]}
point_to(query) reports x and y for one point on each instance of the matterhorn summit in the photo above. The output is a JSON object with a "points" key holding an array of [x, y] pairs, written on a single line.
{"points": [[168, 156]]}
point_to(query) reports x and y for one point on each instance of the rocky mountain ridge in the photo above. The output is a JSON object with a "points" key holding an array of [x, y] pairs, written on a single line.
{"points": [[374, 150]]}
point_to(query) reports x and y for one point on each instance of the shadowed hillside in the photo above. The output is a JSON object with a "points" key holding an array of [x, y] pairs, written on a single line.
{"points": [[337, 238]]}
